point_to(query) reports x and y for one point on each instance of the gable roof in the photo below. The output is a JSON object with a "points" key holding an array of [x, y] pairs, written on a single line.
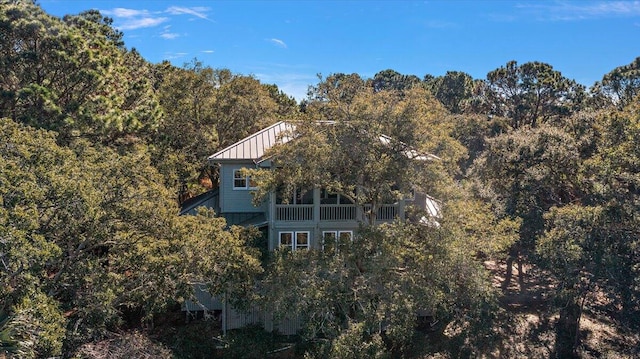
{"points": [[254, 146], [208, 199]]}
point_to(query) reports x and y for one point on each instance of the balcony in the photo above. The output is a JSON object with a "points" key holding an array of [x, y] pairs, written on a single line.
{"points": [[297, 212], [331, 212], [337, 212]]}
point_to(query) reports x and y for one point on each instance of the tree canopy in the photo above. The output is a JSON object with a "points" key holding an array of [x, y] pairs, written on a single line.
{"points": [[98, 147]]}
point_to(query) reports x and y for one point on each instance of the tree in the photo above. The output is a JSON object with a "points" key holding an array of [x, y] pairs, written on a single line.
{"points": [[188, 135], [244, 105], [591, 245], [453, 90], [531, 93], [614, 178], [93, 234], [619, 87], [390, 80], [373, 288], [72, 76], [390, 131], [362, 301], [574, 248]]}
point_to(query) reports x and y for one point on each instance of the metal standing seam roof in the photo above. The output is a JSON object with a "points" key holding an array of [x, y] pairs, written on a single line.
{"points": [[254, 146]]}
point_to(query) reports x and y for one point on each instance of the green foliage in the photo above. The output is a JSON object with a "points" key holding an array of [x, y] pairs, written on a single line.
{"points": [[592, 247], [530, 94], [619, 87], [357, 343], [206, 109], [72, 76], [88, 224], [37, 327], [473, 131], [187, 135], [390, 80], [252, 342], [385, 168], [374, 287], [97, 232], [530, 170], [454, 90], [243, 106]]}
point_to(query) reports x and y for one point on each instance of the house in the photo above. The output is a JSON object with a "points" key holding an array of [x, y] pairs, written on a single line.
{"points": [[302, 220]]}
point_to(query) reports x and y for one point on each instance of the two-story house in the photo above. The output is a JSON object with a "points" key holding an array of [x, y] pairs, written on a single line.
{"points": [[313, 219], [299, 220]]}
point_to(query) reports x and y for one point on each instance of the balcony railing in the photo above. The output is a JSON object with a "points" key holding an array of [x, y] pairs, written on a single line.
{"points": [[340, 212], [297, 212], [332, 212], [386, 212]]}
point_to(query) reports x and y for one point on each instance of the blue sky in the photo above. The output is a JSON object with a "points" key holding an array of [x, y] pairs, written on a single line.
{"points": [[288, 43]]}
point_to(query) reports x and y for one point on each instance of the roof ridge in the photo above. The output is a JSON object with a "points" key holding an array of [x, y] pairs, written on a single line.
{"points": [[246, 138]]}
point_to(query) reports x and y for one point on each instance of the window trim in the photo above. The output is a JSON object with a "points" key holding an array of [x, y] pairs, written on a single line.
{"points": [[336, 233], [246, 179], [294, 240], [308, 245]]}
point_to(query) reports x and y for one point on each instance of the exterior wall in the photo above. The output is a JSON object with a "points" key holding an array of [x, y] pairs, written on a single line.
{"points": [[209, 202], [235, 200], [203, 300], [315, 231], [233, 318]]}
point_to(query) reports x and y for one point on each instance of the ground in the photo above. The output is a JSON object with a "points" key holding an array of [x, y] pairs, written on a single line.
{"points": [[526, 330], [528, 303]]}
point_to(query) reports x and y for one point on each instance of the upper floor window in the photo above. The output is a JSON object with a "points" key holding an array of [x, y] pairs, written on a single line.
{"points": [[241, 181], [295, 196], [327, 197]]}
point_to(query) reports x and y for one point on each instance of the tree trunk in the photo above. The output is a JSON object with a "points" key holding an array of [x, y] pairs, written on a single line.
{"points": [[509, 274], [568, 330]]}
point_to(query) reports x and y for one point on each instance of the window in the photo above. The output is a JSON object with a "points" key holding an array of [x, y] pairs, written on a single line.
{"points": [[294, 240], [329, 241], [327, 197], [302, 240], [242, 182], [296, 196], [333, 241]]}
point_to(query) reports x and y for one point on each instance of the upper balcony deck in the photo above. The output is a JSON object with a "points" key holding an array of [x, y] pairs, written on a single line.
{"points": [[332, 212]]}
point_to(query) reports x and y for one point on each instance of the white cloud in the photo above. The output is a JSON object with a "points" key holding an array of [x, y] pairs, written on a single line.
{"points": [[174, 55], [199, 12], [208, 51], [169, 35], [131, 19], [138, 23], [571, 11], [123, 12], [279, 42]]}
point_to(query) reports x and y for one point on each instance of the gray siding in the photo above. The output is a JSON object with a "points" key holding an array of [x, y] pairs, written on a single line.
{"points": [[202, 301], [315, 231], [235, 200]]}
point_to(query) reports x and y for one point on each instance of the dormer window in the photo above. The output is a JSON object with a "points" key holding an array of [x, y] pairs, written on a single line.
{"points": [[241, 181]]}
